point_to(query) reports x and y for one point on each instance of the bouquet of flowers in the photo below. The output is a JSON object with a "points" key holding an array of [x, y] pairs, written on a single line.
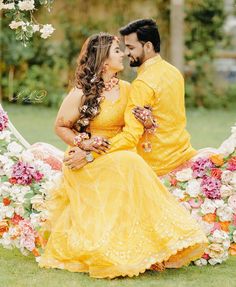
{"points": [[207, 188], [24, 185]]}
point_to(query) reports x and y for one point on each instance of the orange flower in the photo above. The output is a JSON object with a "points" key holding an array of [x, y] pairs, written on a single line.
{"points": [[6, 201], [216, 172], [225, 225], [35, 252], [210, 217], [40, 241], [232, 249], [217, 159], [3, 227]]}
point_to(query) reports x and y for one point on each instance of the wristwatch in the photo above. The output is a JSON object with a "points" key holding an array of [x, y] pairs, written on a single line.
{"points": [[89, 157]]}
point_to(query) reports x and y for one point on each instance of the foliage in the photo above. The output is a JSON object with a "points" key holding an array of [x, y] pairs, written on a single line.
{"points": [[204, 23]]}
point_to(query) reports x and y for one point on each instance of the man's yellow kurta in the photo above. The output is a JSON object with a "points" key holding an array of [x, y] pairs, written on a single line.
{"points": [[160, 85]]}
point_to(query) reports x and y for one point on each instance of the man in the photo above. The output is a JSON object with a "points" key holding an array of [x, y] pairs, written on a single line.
{"points": [[160, 86]]}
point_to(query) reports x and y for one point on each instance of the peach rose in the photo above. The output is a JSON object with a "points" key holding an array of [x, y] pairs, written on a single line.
{"points": [[217, 159], [210, 217], [225, 225], [232, 249], [3, 227]]}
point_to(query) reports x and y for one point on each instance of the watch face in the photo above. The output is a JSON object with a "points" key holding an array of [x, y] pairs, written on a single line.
{"points": [[89, 157]]}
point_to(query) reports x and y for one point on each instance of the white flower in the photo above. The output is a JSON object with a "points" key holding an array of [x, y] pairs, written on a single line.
{"points": [[8, 6], [208, 206], [234, 236], [19, 209], [233, 181], [5, 189], [226, 191], [27, 156], [16, 24], [193, 188], [38, 202], [184, 174], [35, 219], [218, 203], [14, 148], [215, 250], [179, 193], [226, 177], [26, 5], [36, 28], [206, 227], [225, 213], [219, 236], [5, 135], [228, 146], [46, 31], [200, 262], [215, 261]]}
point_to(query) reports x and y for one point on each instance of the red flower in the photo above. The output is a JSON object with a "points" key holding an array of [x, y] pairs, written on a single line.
{"points": [[173, 181], [16, 218], [216, 173], [6, 201], [205, 256], [12, 180]]}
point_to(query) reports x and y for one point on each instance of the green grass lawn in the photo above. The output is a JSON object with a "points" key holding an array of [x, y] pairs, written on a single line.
{"points": [[19, 271], [208, 128]]}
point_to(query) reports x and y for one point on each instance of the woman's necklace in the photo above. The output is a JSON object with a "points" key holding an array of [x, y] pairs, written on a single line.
{"points": [[111, 84]]}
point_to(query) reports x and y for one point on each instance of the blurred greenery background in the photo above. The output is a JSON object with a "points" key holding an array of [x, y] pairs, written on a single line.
{"points": [[44, 69]]}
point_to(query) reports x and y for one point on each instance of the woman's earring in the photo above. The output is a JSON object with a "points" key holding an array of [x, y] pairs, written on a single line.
{"points": [[104, 69]]}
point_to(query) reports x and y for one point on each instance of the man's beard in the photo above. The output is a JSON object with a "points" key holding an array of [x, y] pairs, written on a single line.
{"points": [[138, 62]]}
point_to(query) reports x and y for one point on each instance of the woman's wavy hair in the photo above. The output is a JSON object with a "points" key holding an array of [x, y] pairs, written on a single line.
{"points": [[88, 75]]}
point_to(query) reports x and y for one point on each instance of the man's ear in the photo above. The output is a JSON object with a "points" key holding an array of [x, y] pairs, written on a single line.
{"points": [[148, 47]]}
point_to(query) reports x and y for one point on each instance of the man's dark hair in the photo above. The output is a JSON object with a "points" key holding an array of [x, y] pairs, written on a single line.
{"points": [[146, 30]]}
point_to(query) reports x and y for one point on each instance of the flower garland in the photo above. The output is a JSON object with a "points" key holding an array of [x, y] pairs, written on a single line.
{"points": [[207, 188], [24, 185]]}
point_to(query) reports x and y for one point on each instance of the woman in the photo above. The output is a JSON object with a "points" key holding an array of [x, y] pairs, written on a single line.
{"points": [[112, 217]]}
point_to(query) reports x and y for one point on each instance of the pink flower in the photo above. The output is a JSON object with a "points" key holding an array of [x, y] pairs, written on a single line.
{"points": [[28, 234], [195, 202], [234, 219], [232, 164], [216, 227], [211, 187], [24, 173], [3, 120], [200, 166]]}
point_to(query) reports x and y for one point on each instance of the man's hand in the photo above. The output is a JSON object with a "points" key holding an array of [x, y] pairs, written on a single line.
{"points": [[144, 115], [76, 158], [96, 144]]}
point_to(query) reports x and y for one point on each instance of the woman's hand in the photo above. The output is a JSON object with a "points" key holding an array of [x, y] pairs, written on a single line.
{"points": [[96, 144], [75, 159], [144, 115]]}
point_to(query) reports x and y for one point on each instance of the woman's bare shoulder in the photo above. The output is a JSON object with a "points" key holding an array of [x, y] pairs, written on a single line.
{"points": [[75, 94]]}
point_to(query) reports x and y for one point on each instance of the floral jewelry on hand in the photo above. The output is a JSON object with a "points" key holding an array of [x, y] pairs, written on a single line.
{"points": [[97, 141], [80, 138]]}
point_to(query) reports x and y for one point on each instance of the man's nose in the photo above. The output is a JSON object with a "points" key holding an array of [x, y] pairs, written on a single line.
{"points": [[127, 52]]}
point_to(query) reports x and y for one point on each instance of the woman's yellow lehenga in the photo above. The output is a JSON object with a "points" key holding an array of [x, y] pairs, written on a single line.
{"points": [[114, 217]]}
